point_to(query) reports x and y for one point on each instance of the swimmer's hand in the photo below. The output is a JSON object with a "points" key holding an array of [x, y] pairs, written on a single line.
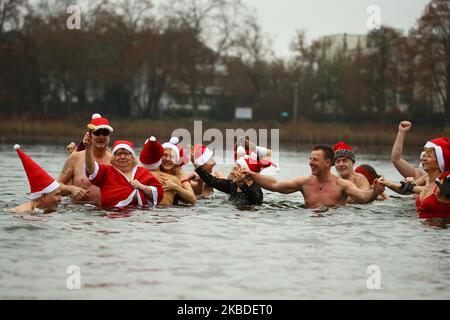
{"points": [[79, 193], [169, 185], [404, 126], [378, 185], [195, 164], [71, 147], [87, 139], [444, 186], [138, 185]]}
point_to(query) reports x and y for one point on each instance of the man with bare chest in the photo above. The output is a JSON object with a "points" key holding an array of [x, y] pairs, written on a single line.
{"points": [[81, 190], [321, 188]]}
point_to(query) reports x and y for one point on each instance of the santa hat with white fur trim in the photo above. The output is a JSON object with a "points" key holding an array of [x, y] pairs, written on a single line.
{"points": [[100, 123], [172, 144], [151, 154], [202, 154], [123, 144], [254, 165], [40, 181], [442, 149]]}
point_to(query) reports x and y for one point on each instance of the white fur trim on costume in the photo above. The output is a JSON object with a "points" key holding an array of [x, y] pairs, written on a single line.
{"points": [[261, 151], [439, 154], [155, 195], [104, 126], [127, 201], [94, 174], [240, 152], [16, 146], [204, 158], [151, 166], [123, 146], [50, 188], [96, 116]]}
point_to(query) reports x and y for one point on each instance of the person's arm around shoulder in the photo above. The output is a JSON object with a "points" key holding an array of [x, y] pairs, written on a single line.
{"points": [[359, 195]]}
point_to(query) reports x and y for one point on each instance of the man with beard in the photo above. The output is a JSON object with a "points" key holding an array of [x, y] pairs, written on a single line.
{"points": [[81, 190], [321, 188]]}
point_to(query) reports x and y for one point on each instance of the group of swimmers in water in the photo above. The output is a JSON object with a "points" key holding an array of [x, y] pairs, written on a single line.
{"points": [[118, 178]]}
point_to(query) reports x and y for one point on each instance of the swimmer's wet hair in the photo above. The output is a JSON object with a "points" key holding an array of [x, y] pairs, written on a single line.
{"points": [[328, 153]]}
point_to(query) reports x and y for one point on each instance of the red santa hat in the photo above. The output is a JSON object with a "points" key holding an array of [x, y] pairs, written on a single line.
{"points": [[100, 123], [123, 144], [180, 156], [343, 150], [151, 154], [254, 165], [202, 154], [39, 180], [442, 149]]}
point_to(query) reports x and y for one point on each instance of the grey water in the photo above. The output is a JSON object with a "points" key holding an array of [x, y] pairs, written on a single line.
{"points": [[212, 250]]}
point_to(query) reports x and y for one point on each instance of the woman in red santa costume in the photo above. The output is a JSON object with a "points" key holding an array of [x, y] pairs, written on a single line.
{"points": [[45, 191], [123, 183], [433, 200]]}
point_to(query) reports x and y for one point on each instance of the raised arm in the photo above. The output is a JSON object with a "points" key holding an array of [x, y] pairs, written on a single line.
{"points": [[403, 166], [89, 156]]}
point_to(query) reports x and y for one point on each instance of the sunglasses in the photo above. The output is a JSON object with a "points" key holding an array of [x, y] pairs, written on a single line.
{"points": [[103, 132]]}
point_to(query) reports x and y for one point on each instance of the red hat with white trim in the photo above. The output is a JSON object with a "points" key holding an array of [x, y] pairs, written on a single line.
{"points": [[40, 181], [442, 149], [183, 155], [254, 165], [202, 154], [100, 123], [123, 144], [151, 154]]}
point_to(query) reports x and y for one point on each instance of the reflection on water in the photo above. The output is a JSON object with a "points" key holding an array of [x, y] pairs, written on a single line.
{"points": [[279, 250]]}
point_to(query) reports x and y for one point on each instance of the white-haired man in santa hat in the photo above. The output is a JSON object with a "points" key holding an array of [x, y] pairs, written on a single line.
{"points": [[72, 178], [45, 192]]}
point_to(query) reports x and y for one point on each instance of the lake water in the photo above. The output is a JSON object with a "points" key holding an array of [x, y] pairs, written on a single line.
{"points": [[215, 251]]}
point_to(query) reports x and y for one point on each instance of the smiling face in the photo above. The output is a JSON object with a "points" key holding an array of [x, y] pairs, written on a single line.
{"points": [[344, 166], [318, 163], [123, 160], [168, 161], [429, 160]]}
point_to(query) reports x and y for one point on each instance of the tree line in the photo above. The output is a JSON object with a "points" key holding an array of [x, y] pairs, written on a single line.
{"points": [[128, 54]]}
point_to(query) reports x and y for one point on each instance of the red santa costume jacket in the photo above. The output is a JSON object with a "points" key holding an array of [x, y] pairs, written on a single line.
{"points": [[116, 190]]}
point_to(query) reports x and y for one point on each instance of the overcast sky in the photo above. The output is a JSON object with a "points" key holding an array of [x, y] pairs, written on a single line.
{"points": [[281, 18]]}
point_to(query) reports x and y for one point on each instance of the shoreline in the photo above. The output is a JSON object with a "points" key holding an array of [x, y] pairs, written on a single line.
{"points": [[63, 131]]}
